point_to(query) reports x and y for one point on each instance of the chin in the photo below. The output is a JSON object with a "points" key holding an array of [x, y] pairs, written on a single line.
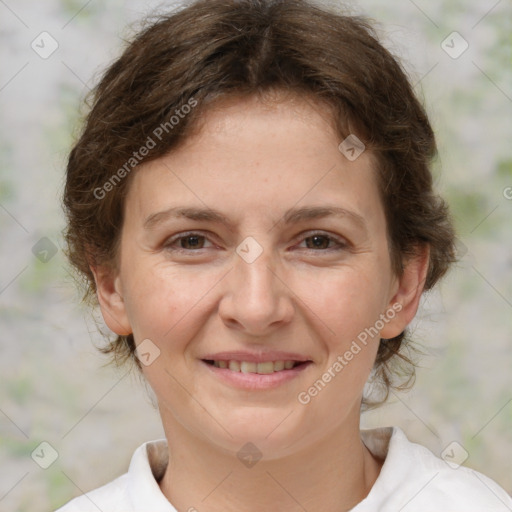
{"points": [[270, 430]]}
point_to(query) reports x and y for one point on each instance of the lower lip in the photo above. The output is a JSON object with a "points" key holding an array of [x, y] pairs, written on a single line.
{"points": [[255, 381]]}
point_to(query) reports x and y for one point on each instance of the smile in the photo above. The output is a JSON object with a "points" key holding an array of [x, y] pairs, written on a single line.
{"points": [[262, 368], [254, 376]]}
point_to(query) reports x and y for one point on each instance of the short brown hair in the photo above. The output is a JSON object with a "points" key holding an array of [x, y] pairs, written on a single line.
{"points": [[217, 48]]}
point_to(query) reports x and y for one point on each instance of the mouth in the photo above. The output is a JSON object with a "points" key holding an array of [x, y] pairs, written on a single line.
{"points": [[260, 368]]}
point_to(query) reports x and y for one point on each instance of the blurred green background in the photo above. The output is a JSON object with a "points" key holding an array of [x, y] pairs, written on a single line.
{"points": [[54, 387]]}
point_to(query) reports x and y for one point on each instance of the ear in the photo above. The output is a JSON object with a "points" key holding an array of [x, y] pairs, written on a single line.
{"points": [[407, 293], [110, 298]]}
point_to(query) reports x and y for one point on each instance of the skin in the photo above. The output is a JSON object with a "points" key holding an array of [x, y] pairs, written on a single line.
{"points": [[253, 160]]}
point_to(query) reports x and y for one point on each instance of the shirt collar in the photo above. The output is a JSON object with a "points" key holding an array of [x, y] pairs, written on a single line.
{"points": [[146, 469]]}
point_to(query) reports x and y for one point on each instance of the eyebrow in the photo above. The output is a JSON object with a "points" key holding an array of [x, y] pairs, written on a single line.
{"points": [[292, 216]]}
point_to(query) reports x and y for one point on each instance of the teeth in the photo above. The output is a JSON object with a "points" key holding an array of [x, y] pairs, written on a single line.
{"points": [[278, 366], [246, 367], [264, 368], [234, 366]]}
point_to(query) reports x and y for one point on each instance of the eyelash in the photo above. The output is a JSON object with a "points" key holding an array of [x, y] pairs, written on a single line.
{"points": [[341, 244]]}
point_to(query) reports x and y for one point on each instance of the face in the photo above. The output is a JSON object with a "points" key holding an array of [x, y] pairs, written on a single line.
{"points": [[279, 254]]}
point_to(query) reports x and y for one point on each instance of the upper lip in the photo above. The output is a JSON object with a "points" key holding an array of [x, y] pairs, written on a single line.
{"points": [[255, 357]]}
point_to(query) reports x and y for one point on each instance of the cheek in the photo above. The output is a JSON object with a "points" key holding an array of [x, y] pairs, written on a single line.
{"points": [[345, 300], [158, 298]]}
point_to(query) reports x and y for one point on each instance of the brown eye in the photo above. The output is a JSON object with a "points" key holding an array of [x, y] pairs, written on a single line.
{"points": [[192, 242], [187, 242], [323, 242], [318, 242]]}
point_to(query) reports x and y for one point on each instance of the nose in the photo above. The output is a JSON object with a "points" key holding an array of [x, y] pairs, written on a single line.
{"points": [[256, 300]]}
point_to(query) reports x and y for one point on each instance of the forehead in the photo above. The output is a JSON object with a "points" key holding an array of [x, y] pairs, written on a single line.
{"points": [[258, 156], [227, 110]]}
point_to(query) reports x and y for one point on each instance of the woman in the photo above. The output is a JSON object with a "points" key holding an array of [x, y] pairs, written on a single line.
{"points": [[251, 204]]}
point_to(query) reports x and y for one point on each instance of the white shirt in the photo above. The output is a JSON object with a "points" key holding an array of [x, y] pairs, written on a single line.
{"points": [[412, 479]]}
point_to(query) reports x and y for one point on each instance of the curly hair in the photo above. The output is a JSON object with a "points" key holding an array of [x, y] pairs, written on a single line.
{"points": [[211, 49]]}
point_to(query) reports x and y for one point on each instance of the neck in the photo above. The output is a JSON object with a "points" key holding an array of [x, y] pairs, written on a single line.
{"points": [[335, 473]]}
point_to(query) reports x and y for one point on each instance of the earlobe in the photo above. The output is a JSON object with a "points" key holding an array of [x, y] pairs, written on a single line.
{"points": [[407, 297], [111, 300]]}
